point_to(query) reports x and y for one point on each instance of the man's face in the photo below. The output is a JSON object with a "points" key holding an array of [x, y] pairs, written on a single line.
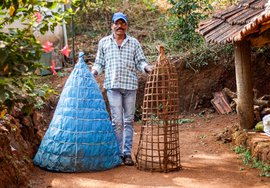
{"points": [[119, 27]]}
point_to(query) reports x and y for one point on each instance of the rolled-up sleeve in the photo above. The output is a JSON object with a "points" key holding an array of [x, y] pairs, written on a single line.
{"points": [[100, 60], [140, 59]]}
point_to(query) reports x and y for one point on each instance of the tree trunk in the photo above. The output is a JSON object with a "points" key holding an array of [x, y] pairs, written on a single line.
{"points": [[244, 82]]}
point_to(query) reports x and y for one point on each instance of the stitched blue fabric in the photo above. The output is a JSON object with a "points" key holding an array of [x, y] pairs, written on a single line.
{"points": [[80, 137]]}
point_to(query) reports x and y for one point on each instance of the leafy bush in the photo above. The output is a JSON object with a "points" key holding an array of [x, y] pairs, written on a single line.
{"points": [[206, 54], [20, 51]]}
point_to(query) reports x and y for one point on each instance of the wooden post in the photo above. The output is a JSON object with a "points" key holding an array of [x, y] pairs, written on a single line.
{"points": [[244, 82]]}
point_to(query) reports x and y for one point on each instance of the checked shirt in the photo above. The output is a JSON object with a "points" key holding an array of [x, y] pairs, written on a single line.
{"points": [[120, 63]]}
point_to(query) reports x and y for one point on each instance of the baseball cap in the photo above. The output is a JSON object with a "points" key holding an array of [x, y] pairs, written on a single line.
{"points": [[118, 16]]}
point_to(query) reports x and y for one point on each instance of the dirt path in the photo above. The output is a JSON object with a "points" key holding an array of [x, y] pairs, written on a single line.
{"points": [[206, 164]]}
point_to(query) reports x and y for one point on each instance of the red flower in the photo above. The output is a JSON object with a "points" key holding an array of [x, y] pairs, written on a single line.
{"points": [[65, 51], [52, 67], [47, 47], [38, 17]]}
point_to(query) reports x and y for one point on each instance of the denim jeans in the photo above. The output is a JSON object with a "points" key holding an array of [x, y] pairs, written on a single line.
{"points": [[122, 106]]}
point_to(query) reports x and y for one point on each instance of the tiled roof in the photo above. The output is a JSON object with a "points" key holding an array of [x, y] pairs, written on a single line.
{"points": [[249, 17]]}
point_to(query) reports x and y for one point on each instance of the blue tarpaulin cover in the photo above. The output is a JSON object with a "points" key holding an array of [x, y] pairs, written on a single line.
{"points": [[80, 137]]}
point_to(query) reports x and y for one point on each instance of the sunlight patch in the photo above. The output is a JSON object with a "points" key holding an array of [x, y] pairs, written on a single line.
{"points": [[85, 182], [198, 183], [207, 157]]}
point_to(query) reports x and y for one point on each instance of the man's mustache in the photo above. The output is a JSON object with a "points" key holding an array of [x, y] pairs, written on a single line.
{"points": [[120, 28]]}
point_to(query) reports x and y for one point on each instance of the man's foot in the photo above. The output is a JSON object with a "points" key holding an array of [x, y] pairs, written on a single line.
{"points": [[122, 159], [128, 160]]}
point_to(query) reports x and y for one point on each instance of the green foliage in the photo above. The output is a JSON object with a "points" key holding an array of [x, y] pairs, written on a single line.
{"points": [[23, 90], [20, 48], [150, 5], [252, 162], [221, 4], [238, 149], [183, 21], [205, 54], [20, 51], [262, 51], [183, 120]]}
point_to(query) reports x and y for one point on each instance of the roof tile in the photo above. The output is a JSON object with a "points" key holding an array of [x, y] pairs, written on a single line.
{"points": [[237, 22]]}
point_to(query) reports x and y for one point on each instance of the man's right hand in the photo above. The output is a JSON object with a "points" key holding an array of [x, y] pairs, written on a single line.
{"points": [[148, 68], [94, 72]]}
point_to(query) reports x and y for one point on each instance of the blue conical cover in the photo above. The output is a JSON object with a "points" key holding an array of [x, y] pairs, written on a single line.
{"points": [[80, 137]]}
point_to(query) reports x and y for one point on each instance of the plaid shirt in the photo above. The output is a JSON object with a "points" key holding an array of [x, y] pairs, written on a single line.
{"points": [[120, 64]]}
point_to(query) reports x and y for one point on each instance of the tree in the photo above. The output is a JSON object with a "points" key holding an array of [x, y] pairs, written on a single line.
{"points": [[185, 16]]}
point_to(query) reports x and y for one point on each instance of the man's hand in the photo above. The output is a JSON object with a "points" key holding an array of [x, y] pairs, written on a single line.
{"points": [[148, 68], [94, 72]]}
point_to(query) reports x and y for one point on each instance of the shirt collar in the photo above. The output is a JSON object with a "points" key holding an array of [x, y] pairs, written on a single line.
{"points": [[126, 38]]}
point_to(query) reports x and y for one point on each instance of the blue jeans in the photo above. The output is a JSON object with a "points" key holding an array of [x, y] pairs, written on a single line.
{"points": [[122, 106]]}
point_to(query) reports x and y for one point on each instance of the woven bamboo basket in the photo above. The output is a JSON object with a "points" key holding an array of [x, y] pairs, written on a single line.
{"points": [[159, 148]]}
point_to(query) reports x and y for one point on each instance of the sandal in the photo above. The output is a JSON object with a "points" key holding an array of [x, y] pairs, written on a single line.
{"points": [[128, 160]]}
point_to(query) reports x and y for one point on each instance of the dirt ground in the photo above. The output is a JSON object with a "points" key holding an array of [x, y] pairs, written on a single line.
{"points": [[206, 163]]}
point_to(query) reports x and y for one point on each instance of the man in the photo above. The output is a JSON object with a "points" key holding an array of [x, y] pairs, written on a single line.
{"points": [[120, 56]]}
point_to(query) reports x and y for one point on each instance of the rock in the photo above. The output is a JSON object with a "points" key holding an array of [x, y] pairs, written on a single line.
{"points": [[37, 118], [259, 145], [27, 121], [3, 129], [16, 111], [240, 138], [225, 137]]}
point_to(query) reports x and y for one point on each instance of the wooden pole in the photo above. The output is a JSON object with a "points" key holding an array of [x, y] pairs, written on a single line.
{"points": [[244, 82]]}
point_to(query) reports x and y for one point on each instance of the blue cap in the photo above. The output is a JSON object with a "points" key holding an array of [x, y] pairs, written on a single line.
{"points": [[118, 16]]}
